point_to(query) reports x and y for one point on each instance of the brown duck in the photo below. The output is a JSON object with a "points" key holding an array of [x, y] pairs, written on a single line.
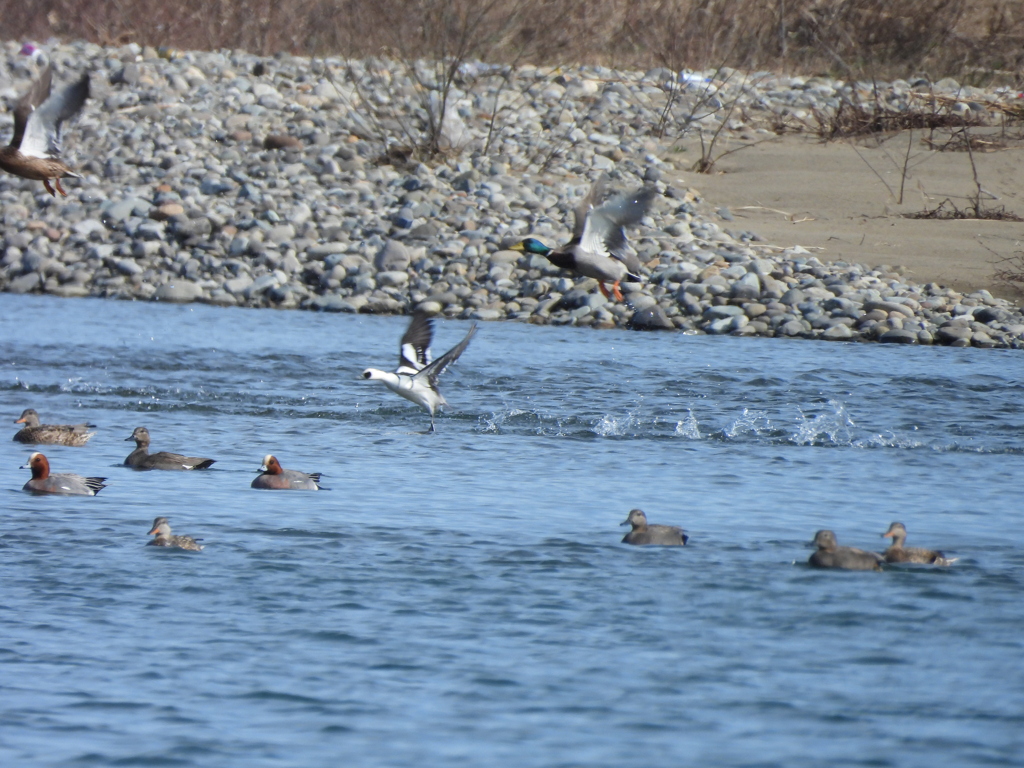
{"points": [[50, 434], [643, 533], [164, 537], [897, 553], [141, 458], [831, 555], [34, 151]]}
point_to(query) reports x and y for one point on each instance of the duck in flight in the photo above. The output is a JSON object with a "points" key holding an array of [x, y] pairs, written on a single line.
{"points": [[598, 247], [416, 377], [34, 151]]}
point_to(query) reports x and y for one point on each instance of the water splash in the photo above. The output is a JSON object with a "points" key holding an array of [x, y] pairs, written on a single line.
{"points": [[751, 422], [831, 427], [630, 426], [688, 427]]}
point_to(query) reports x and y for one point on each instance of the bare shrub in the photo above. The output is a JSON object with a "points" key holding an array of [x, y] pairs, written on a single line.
{"points": [[976, 41]]}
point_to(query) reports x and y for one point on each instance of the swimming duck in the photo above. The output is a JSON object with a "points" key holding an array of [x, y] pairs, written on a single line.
{"points": [[416, 377], [598, 246], [35, 146], [643, 533], [164, 537], [277, 478], [141, 458], [831, 555], [64, 483], [50, 434], [897, 553]]}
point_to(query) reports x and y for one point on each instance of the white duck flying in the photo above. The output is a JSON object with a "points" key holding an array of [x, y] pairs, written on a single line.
{"points": [[416, 377]]}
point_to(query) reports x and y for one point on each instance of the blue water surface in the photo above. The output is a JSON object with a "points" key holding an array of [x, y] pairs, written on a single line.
{"points": [[462, 598]]}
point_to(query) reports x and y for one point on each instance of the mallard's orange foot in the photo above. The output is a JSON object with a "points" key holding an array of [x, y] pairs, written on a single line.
{"points": [[615, 289], [46, 183], [604, 290], [60, 188]]}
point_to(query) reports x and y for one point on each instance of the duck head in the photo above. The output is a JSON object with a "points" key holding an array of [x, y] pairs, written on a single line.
{"points": [[160, 527], [531, 245], [636, 518], [39, 465], [271, 465]]}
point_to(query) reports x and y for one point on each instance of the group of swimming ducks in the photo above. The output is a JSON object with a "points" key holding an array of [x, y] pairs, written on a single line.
{"points": [[274, 477]]}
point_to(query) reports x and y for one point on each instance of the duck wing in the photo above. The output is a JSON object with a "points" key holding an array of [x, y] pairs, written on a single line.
{"points": [[585, 206], [42, 128], [603, 230], [432, 371], [414, 352], [37, 93]]}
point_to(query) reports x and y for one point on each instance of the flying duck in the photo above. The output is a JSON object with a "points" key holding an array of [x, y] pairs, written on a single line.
{"points": [[416, 377], [598, 247], [35, 146]]}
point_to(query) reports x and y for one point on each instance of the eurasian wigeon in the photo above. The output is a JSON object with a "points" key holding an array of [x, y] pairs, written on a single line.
{"points": [[277, 478], [73, 485]]}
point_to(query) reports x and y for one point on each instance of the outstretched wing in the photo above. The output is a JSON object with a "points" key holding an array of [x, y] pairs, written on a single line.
{"points": [[415, 345], [436, 368], [603, 232], [37, 93], [586, 205], [42, 128]]}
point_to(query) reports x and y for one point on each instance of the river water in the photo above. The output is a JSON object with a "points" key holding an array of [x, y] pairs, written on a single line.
{"points": [[461, 598]]}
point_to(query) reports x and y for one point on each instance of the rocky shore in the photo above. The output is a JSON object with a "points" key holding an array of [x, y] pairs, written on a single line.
{"points": [[233, 180]]}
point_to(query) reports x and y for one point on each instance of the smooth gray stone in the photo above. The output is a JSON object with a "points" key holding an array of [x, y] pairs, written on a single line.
{"points": [[747, 287], [392, 279], [25, 284], [393, 257], [793, 296], [898, 336], [128, 267], [948, 334], [723, 311], [888, 306], [651, 318], [991, 315], [837, 333], [178, 291], [791, 328]]}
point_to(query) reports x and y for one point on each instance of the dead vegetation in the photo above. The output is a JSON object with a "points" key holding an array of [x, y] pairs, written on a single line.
{"points": [[979, 42]]}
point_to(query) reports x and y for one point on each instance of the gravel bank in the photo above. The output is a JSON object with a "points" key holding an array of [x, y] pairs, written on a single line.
{"points": [[206, 182]]}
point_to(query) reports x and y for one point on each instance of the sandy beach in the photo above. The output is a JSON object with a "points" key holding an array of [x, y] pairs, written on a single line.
{"points": [[830, 199]]}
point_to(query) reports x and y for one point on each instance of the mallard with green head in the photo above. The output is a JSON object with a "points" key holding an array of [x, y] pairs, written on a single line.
{"points": [[598, 247]]}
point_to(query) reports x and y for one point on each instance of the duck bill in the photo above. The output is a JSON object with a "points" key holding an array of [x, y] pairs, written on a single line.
{"points": [[888, 535], [155, 530], [19, 421], [517, 247], [129, 438], [624, 522]]}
